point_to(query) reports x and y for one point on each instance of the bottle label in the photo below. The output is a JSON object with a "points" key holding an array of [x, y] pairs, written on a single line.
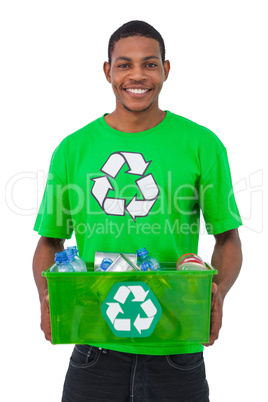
{"points": [[147, 265]]}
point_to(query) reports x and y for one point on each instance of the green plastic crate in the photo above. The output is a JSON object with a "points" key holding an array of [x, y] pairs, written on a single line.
{"points": [[108, 307]]}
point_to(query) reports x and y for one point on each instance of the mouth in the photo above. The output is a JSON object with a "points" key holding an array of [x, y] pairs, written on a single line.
{"points": [[137, 92]]}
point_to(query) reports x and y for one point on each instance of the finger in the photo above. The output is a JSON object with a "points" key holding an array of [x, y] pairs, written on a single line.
{"points": [[212, 339], [46, 328], [214, 288], [46, 297], [48, 337], [216, 323], [214, 335], [47, 301]]}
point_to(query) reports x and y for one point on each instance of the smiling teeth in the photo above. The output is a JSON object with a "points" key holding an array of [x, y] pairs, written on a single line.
{"points": [[137, 91]]}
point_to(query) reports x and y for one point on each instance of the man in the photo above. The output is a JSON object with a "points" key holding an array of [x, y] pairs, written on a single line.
{"points": [[133, 178]]}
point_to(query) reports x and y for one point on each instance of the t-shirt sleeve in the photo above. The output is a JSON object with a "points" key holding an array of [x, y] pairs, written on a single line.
{"points": [[54, 216], [217, 199]]}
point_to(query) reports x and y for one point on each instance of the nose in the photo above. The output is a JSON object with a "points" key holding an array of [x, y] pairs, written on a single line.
{"points": [[137, 73]]}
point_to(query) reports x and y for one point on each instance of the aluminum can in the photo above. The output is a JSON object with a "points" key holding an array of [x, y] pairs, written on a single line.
{"points": [[119, 265], [101, 255], [190, 261]]}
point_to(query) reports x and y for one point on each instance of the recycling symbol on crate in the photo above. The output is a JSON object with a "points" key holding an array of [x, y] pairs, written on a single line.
{"points": [[146, 185], [131, 309]]}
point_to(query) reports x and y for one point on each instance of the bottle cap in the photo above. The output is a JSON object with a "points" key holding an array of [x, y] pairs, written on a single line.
{"points": [[142, 252], [70, 253], [73, 249], [106, 262], [61, 256]]}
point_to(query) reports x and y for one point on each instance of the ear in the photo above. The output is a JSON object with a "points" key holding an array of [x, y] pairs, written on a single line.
{"points": [[107, 71], [166, 68]]}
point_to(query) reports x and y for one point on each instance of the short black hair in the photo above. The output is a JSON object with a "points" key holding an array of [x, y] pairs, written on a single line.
{"points": [[136, 28]]}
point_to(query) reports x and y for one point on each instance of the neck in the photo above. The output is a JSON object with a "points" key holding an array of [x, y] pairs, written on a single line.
{"points": [[134, 122]]}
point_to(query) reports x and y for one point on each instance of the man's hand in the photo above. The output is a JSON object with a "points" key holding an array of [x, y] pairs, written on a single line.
{"points": [[43, 258], [45, 317], [216, 314], [227, 259]]}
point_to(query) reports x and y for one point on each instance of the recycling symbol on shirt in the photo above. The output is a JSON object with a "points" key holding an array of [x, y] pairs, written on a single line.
{"points": [[146, 185], [131, 309]]}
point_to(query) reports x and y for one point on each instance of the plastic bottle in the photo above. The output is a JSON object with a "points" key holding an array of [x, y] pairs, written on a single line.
{"points": [[62, 264], [106, 262], [145, 262], [77, 262]]}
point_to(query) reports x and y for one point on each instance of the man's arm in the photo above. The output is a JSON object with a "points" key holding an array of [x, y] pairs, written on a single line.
{"points": [[227, 259], [43, 258]]}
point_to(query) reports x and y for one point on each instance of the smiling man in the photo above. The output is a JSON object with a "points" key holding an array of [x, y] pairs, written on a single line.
{"points": [[137, 177], [137, 71]]}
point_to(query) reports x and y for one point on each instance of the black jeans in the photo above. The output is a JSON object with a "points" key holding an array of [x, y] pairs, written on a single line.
{"points": [[100, 375]]}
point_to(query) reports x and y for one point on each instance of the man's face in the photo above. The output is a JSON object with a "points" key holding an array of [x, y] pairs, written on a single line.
{"points": [[136, 73]]}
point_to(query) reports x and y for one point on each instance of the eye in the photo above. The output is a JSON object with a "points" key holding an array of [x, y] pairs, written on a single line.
{"points": [[151, 65], [123, 66]]}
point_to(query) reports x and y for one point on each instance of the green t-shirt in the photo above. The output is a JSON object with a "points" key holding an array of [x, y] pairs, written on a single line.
{"points": [[122, 191]]}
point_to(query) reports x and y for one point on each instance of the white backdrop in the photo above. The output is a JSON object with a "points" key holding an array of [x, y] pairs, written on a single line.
{"points": [[52, 84]]}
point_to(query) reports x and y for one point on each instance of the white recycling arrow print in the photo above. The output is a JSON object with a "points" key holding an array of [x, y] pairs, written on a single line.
{"points": [[136, 162], [122, 324], [146, 185], [138, 208], [142, 323], [149, 308], [122, 294], [138, 292], [101, 188], [115, 162], [114, 308], [114, 206]]}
